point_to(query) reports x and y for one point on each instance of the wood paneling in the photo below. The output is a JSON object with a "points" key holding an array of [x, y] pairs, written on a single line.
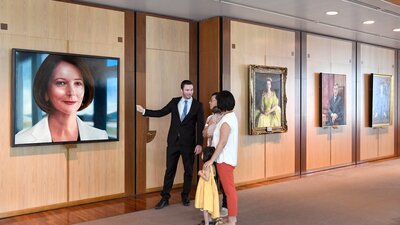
{"points": [[106, 26], [166, 51], [209, 60], [162, 84], [280, 148], [328, 147], [43, 177], [375, 143], [142, 123], [226, 54], [130, 108], [167, 34], [30, 176], [98, 169], [22, 18], [271, 155], [250, 47]]}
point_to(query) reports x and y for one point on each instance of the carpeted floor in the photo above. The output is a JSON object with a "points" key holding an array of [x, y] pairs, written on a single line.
{"points": [[364, 195]]}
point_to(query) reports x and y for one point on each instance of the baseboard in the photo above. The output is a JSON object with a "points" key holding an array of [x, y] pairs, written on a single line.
{"points": [[58, 205]]}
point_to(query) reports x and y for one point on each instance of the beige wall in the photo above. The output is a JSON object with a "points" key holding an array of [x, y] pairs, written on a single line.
{"points": [[167, 64], [264, 156], [374, 142], [35, 177], [326, 146]]}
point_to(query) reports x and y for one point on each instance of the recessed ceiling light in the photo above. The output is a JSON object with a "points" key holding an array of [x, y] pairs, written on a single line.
{"points": [[396, 29], [369, 22], [331, 13]]}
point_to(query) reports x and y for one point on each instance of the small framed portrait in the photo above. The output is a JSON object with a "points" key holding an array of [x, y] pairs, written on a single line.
{"points": [[267, 99], [332, 99], [380, 100]]}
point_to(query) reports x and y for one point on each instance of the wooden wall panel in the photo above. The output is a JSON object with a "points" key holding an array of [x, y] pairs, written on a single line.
{"points": [[162, 84], [317, 140], [167, 34], [280, 148], [44, 177], [250, 46], [375, 142], [30, 176], [167, 64], [209, 60], [22, 18], [97, 169], [106, 26], [270, 155], [130, 108], [328, 147]]}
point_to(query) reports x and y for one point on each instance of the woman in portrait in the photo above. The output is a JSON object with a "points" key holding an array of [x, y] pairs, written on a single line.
{"points": [[62, 86], [270, 112]]}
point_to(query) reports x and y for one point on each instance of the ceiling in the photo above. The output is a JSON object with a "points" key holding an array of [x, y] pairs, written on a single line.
{"points": [[304, 15]]}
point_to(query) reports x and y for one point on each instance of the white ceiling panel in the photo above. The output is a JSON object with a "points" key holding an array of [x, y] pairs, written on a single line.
{"points": [[306, 15]]}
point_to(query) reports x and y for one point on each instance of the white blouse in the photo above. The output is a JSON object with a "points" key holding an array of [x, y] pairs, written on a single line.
{"points": [[229, 153]]}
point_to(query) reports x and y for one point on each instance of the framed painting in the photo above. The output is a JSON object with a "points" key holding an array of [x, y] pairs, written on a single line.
{"points": [[380, 100], [267, 99], [332, 99]]}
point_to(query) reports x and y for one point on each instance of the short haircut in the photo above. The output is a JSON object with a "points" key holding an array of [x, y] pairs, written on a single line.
{"points": [[185, 82], [225, 101], [42, 78], [268, 79]]}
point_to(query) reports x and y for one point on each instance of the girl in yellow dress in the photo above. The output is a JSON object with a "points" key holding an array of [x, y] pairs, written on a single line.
{"points": [[207, 198]]}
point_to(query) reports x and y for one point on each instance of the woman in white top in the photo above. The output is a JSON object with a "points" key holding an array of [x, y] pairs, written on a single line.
{"points": [[225, 139]]}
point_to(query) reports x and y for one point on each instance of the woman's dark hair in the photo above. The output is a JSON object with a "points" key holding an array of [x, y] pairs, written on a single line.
{"points": [[185, 82], [225, 101], [207, 153], [42, 78]]}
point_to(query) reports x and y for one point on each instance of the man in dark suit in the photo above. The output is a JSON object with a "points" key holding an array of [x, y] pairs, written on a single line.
{"points": [[186, 114], [335, 109]]}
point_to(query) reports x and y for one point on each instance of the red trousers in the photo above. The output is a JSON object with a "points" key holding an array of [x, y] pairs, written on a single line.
{"points": [[225, 173]]}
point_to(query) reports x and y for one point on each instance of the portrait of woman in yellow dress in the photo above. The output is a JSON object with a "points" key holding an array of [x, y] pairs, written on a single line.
{"points": [[270, 112]]}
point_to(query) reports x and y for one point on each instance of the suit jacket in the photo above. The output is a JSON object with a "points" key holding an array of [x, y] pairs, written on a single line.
{"points": [[40, 133], [336, 107], [182, 133]]}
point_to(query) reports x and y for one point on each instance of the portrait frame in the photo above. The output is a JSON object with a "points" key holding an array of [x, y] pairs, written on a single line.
{"points": [[275, 99], [332, 107], [380, 100]]}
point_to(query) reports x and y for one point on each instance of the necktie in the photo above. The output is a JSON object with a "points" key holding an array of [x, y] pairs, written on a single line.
{"points": [[184, 112]]}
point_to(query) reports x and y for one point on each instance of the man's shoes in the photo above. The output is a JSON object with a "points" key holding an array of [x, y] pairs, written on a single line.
{"points": [[162, 203], [185, 201]]}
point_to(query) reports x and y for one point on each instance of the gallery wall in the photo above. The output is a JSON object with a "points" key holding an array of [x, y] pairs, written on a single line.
{"points": [[43, 177], [327, 146], [263, 157], [169, 56], [377, 142], [307, 146]]}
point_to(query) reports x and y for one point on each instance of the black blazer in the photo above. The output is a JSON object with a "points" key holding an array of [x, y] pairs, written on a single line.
{"points": [[182, 133]]}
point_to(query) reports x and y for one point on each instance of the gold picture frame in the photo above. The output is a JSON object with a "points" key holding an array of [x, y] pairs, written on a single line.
{"points": [[381, 100], [267, 99]]}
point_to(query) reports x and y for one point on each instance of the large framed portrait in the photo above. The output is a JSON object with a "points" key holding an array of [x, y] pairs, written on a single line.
{"points": [[380, 101], [267, 99], [332, 99]]}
